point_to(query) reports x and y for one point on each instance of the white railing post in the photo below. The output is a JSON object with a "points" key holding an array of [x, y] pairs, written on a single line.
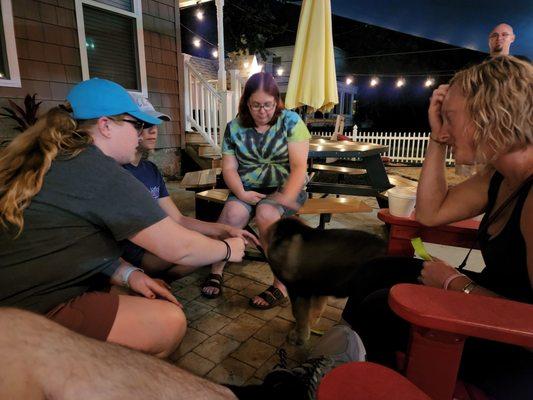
{"points": [[186, 92], [225, 112]]}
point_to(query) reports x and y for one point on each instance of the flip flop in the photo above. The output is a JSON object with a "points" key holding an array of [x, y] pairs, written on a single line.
{"points": [[273, 296], [214, 281]]}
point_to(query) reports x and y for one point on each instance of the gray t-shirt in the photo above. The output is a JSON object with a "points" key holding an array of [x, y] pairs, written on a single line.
{"points": [[71, 229]]}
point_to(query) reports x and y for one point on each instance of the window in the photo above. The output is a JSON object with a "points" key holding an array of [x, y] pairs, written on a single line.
{"points": [[347, 103], [111, 40], [9, 67]]}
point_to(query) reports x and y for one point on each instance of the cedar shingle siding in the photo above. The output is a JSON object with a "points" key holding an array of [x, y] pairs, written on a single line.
{"points": [[49, 58]]}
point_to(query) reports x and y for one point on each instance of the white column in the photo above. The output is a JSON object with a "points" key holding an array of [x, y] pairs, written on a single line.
{"points": [[220, 30]]}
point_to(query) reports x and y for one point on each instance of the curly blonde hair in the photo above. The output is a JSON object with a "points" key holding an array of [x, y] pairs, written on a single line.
{"points": [[499, 99]]}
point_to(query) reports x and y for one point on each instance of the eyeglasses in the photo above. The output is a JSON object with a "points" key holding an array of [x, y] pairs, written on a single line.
{"points": [[138, 125], [267, 106]]}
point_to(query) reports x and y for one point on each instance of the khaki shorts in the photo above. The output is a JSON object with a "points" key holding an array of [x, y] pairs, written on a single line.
{"points": [[92, 314]]}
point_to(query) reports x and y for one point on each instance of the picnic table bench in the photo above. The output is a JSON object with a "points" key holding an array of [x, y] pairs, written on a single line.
{"points": [[209, 204]]}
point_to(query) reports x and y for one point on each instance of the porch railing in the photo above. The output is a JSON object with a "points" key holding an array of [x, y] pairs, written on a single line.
{"points": [[407, 147], [204, 106]]}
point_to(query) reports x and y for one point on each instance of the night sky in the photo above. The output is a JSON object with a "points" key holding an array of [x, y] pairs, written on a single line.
{"points": [[369, 32]]}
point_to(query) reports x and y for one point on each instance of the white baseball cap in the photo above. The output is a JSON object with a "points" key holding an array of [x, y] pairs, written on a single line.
{"points": [[146, 107]]}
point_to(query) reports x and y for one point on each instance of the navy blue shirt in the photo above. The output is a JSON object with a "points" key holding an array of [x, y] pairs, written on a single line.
{"points": [[150, 176]]}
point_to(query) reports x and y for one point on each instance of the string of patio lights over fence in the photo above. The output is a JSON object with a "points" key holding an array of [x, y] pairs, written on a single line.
{"points": [[374, 80]]}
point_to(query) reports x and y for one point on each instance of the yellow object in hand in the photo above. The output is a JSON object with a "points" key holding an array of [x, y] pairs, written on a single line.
{"points": [[420, 250]]}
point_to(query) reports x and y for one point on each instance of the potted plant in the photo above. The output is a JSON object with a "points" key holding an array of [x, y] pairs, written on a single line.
{"points": [[25, 117]]}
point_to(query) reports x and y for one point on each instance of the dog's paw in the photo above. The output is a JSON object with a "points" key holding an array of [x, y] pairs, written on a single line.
{"points": [[297, 338]]}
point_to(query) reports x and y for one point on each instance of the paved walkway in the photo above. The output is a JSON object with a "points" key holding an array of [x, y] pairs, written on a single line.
{"points": [[228, 341]]}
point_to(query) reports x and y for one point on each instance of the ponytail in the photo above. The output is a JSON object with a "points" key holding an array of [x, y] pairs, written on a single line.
{"points": [[24, 163]]}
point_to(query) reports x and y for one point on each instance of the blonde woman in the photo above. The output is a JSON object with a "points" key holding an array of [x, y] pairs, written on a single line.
{"points": [[486, 115], [65, 202]]}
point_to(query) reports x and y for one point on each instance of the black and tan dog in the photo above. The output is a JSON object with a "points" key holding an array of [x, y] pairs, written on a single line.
{"points": [[316, 263]]}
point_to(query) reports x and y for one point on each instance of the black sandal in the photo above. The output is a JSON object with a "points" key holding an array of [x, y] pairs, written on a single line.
{"points": [[273, 296], [214, 281]]}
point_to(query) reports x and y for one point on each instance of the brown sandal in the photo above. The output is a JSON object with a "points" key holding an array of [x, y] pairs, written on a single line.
{"points": [[214, 281], [273, 296]]}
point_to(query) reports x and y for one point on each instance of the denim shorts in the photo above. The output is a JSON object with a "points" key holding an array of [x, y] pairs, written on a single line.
{"points": [[283, 211]]}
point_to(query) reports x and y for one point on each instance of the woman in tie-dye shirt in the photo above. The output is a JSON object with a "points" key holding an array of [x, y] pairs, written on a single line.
{"points": [[264, 164]]}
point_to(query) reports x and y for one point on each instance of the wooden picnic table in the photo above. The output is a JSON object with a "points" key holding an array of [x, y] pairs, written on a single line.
{"points": [[369, 155]]}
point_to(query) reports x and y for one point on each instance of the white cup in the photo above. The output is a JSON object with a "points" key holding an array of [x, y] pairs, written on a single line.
{"points": [[401, 201]]}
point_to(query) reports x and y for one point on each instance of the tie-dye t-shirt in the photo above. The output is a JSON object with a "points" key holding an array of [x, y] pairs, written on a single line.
{"points": [[263, 158]]}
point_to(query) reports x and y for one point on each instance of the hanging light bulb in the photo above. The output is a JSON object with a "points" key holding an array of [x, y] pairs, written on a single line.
{"points": [[215, 53], [196, 42], [400, 82], [429, 82], [200, 14], [349, 81], [279, 71], [374, 81]]}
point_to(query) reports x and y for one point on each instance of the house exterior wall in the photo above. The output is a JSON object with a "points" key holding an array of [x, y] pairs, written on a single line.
{"points": [[49, 61]]}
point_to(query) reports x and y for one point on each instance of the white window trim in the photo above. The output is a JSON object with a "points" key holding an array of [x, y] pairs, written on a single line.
{"points": [[11, 46], [136, 14]]}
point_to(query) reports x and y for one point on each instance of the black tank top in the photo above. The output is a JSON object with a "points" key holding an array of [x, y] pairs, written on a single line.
{"points": [[505, 253]]}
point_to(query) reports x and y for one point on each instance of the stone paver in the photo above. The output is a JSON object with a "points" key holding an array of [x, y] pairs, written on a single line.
{"points": [[254, 353], [233, 307], [195, 309], [192, 339], [242, 327], [237, 282], [274, 332], [195, 364], [211, 323], [231, 371], [217, 348]]}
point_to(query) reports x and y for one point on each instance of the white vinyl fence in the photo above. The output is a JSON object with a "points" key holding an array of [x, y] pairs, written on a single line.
{"points": [[406, 147]]}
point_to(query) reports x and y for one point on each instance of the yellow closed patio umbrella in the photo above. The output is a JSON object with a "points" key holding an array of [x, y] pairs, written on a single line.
{"points": [[313, 81]]}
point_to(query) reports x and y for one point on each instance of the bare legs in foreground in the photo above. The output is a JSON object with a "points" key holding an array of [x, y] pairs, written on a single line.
{"points": [[41, 359], [235, 214]]}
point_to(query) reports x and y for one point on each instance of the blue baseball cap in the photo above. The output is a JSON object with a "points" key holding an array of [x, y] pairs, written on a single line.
{"points": [[97, 98]]}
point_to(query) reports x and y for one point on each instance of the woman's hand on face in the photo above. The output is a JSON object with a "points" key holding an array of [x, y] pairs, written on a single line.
{"points": [[150, 288], [435, 273], [435, 113], [231, 231], [251, 197], [237, 248], [285, 201]]}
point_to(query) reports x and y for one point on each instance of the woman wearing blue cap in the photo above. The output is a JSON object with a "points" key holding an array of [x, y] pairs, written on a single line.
{"points": [[65, 203]]}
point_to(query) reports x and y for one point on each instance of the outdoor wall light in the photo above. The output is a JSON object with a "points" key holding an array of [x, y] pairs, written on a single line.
{"points": [[279, 71], [196, 42], [400, 82], [215, 53], [429, 82], [374, 82], [349, 81]]}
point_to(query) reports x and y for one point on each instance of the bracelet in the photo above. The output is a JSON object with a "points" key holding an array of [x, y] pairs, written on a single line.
{"points": [[228, 251], [126, 275], [469, 287], [449, 279], [437, 141]]}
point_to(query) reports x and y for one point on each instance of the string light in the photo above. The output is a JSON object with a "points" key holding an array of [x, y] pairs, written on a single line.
{"points": [[400, 82], [215, 53], [279, 71], [349, 81], [246, 64], [200, 14], [196, 42], [374, 81], [429, 82]]}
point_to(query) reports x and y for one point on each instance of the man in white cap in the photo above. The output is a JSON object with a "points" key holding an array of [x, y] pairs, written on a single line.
{"points": [[148, 173]]}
